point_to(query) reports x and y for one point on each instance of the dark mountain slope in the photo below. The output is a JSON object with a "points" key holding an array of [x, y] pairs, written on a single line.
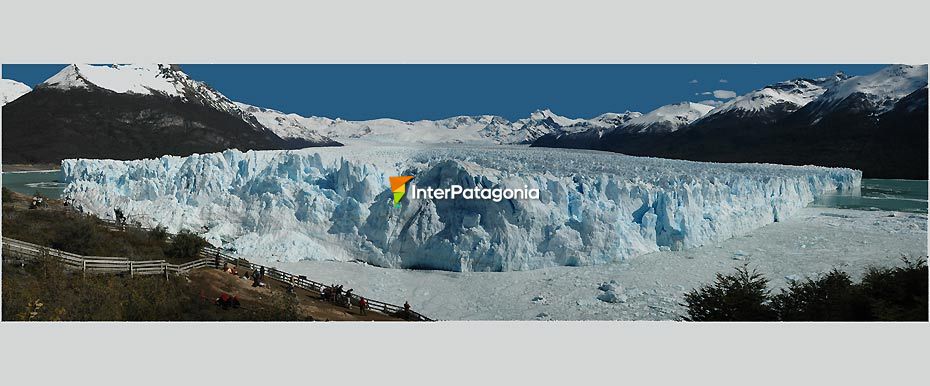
{"points": [[48, 125]]}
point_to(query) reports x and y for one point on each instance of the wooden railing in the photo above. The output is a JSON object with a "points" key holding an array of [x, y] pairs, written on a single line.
{"points": [[209, 257], [13, 248], [214, 254]]}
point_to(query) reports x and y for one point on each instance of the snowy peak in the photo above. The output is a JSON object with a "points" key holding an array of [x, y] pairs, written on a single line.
{"points": [[612, 120], [146, 79], [667, 118], [546, 114], [880, 89], [792, 94], [289, 126], [162, 80], [11, 89]]}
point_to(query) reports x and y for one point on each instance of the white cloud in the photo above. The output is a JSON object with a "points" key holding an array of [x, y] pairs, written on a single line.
{"points": [[724, 81], [693, 81], [724, 94], [711, 102], [704, 93]]}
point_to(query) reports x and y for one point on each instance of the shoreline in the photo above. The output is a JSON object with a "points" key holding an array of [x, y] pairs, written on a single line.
{"points": [[29, 168]]}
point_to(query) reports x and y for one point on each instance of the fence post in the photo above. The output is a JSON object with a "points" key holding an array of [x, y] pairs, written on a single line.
{"points": [[166, 271], [130, 268], [83, 268]]}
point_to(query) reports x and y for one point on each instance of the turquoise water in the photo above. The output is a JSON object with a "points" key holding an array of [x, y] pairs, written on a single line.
{"points": [[896, 195], [47, 183]]}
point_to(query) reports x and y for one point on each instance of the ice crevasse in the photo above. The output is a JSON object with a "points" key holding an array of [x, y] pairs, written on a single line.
{"points": [[336, 204]]}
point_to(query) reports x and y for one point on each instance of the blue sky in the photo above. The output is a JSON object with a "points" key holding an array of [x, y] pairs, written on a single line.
{"points": [[433, 91]]}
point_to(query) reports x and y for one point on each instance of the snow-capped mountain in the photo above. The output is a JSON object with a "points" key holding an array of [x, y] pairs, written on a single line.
{"points": [[668, 118], [769, 104], [613, 120], [793, 94], [11, 89], [870, 94], [548, 115], [480, 129], [129, 112], [289, 126], [461, 129], [146, 79], [876, 123]]}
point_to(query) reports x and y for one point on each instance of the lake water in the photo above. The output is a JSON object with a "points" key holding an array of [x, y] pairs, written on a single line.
{"points": [[896, 195], [45, 182]]}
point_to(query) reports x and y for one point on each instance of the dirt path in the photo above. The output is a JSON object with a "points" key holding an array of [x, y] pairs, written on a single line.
{"points": [[214, 282]]}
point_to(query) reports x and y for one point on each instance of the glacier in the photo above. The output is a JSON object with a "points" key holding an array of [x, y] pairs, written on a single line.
{"points": [[336, 204]]}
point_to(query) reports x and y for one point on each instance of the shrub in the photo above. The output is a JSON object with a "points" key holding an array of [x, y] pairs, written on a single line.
{"points": [[831, 297], [890, 294], [742, 296], [898, 293], [185, 245], [158, 234], [79, 236]]}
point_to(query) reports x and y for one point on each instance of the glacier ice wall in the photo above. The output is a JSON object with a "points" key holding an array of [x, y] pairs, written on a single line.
{"points": [[335, 203]]}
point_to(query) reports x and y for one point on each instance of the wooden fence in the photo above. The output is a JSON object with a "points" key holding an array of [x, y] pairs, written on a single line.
{"points": [[213, 254], [98, 264], [209, 257]]}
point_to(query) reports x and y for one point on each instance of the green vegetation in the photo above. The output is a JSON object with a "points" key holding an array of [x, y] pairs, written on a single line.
{"points": [[59, 228], [883, 294], [44, 290], [7, 195], [740, 296], [185, 245]]}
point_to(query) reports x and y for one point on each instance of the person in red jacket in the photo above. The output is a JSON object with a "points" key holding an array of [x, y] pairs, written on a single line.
{"points": [[363, 306]]}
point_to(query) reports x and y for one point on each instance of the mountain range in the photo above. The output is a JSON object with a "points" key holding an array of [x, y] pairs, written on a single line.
{"points": [[876, 123]]}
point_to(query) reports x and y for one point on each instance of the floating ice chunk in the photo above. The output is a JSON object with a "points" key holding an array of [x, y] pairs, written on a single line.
{"points": [[612, 297]]}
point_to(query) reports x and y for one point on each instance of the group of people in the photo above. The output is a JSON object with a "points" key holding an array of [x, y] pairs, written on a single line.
{"points": [[37, 202], [257, 277], [335, 294]]}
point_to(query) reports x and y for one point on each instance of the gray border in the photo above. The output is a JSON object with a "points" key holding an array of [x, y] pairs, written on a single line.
{"points": [[479, 31]]}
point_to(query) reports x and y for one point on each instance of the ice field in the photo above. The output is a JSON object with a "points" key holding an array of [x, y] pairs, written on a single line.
{"points": [[335, 204]]}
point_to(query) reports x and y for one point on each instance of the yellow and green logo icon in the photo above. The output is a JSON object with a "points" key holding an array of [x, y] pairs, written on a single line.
{"points": [[399, 187]]}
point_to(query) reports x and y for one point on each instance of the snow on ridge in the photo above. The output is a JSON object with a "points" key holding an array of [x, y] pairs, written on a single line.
{"points": [[544, 114], [144, 79], [883, 88], [286, 125], [10, 90], [797, 93], [463, 129], [335, 204], [668, 118]]}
